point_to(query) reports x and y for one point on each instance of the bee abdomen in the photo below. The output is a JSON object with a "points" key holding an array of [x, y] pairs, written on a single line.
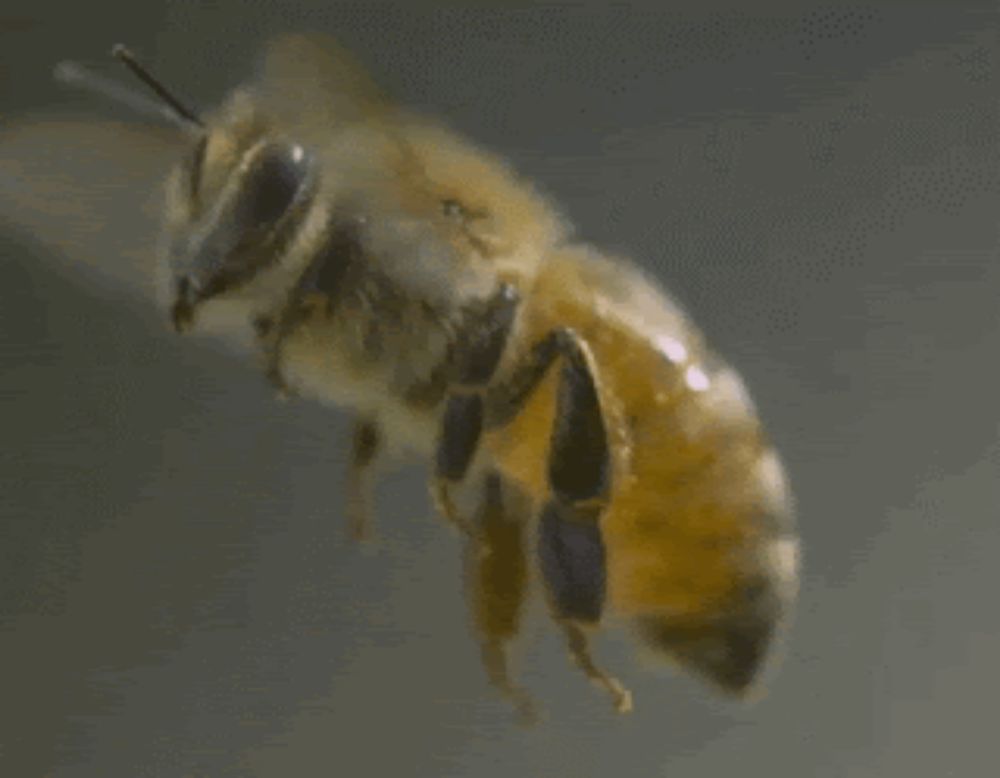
{"points": [[728, 650], [747, 543]]}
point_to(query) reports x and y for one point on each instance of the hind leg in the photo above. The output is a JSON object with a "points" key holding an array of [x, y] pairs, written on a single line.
{"points": [[570, 545], [497, 571]]}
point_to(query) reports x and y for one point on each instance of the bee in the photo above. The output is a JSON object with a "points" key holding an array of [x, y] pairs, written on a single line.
{"points": [[582, 433]]}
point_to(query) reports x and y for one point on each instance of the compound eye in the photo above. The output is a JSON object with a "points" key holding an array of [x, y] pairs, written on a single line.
{"points": [[273, 184], [238, 230]]}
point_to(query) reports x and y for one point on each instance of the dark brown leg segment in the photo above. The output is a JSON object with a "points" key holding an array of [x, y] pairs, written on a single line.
{"points": [[475, 363], [570, 545]]}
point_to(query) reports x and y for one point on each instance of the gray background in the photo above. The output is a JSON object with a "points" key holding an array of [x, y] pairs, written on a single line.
{"points": [[819, 183]]}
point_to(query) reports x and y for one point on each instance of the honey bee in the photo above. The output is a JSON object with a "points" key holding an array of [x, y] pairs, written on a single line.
{"points": [[375, 260]]}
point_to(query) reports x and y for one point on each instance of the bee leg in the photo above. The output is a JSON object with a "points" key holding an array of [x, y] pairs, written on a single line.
{"points": [[460, 431], [497, 570], [476, 360], [579, 650], [267, 330], [572, 560], [365, 445], [271, 335], [571, 547]]}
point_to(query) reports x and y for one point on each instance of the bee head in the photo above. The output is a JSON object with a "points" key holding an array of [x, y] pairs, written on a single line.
{"points": [[232, 203]]}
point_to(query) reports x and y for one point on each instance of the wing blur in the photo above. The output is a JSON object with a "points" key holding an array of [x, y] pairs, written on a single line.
{"points": [[91, 192], [319, 94], [316, 86]]}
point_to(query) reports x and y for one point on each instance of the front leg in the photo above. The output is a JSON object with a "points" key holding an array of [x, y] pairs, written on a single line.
{"points": [[318, 291]]}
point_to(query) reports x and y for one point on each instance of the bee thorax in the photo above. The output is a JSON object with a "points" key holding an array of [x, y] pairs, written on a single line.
{"points": [[373, 348]]}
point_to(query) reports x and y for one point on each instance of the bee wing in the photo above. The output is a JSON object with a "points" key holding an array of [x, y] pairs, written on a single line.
{"points": [[317, 87], [91, 191], [624, 290], [325, 98]]}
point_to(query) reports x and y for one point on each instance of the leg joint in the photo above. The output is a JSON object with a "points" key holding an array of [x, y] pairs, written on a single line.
{"points": [[486, 333]]}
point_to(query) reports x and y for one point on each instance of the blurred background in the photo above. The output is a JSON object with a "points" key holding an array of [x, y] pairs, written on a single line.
{"points": [[819, 183]]}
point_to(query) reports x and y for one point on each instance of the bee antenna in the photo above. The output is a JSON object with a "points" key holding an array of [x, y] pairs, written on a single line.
{"points": [[75, 74], [179, 110]]}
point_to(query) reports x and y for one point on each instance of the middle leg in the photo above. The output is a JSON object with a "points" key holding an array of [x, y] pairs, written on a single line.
{"points": [[475, 362], [498, 574]]}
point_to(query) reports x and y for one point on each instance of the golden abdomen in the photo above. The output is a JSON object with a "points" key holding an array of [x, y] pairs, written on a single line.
{"points": [[697, 496]]}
